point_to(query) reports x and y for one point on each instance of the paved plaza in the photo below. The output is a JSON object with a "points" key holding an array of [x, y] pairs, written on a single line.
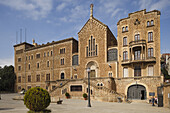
{"points": [[7, 105]]}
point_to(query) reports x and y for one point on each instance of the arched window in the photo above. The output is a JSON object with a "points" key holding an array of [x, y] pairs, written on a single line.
{"points": [[137, 37], [150, 36], [152, 23], [124, 41], [126, 28], [123, 29], [62, 75], [148, 23]]}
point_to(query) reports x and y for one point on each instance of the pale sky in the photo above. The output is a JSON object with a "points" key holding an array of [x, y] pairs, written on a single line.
{"points": [[48, 20]]}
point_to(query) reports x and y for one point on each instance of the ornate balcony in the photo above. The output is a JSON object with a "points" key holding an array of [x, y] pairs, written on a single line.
{"points": [[144, 60], [137, 43]]}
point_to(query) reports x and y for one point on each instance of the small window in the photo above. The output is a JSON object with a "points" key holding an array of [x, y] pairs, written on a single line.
{"points": [[19, 79], [150, 70], [124, 41], [38, 78], [26, 58], [62, 51], [125, 72], [48, 63], [126, 28], [29, 78], [152, 23], [38, 65], [29, 66], [150, 36], [31, 57], [137, 37], [75, 76], [125, 55], [76, 88], [110, 74], [150, 52], [123, 29], [44, 54], [62, 61], [37, 56], [47, 77], [148, 23], [28, 87], [48, 54], [19, 68], [19, 59], [51, 53], [62, 75]]}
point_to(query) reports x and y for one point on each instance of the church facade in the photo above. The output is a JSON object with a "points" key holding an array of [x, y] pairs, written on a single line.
{"points": [[126, 67]]}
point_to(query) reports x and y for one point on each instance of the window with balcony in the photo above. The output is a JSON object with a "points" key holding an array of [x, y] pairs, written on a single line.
{"points": [[137, 71], [125, 72], [150, 36], [137, 55], [125, 55], [48, 77], [38, 78], [29, 78], [150, 70], [125, 41], [150, 52], [137, 37]]}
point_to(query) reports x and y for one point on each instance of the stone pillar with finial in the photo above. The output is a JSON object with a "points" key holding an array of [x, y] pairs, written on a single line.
{"points": [[91, 11]]}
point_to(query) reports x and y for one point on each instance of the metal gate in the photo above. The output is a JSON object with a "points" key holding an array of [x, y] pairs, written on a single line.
{"points": [[136, 92], [160, 96]]}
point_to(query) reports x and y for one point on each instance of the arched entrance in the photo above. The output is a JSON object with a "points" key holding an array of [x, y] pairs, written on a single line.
{"points": [[62, 75], [93, 67], [136, 92]]}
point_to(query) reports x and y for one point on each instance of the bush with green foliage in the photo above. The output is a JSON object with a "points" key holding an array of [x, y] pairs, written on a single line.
{"points": [[67, 95], [85, 95], [37, 99]]}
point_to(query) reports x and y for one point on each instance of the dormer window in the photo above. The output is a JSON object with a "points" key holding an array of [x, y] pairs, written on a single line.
{"points": [[91, 49]]}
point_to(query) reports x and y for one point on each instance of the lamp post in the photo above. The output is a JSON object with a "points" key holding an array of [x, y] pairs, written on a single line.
{"points": [[88, 71]]}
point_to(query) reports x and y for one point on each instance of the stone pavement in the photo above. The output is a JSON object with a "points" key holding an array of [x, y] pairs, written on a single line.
{"points": [[7, 105]]}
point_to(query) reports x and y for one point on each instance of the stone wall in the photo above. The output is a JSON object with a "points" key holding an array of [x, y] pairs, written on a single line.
{"points": [[166, 91]]}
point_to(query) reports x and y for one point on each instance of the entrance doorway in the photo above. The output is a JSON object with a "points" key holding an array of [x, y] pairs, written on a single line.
{"points": [[136, 92]]}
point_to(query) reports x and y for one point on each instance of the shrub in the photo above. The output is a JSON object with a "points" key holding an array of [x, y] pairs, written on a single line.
{"points": [[37, 99], [85, 95], [67, 94]]}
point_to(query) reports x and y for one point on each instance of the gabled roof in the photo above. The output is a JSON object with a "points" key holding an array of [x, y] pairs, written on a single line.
{"points": [[95, 20]]}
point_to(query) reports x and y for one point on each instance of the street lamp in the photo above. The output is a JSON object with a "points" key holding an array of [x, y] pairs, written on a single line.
{"points": [[88, 71]]}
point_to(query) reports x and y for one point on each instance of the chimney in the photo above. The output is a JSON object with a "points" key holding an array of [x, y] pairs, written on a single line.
{"points": [[91, 11]]}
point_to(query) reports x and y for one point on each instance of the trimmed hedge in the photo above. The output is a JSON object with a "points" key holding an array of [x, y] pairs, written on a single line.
{"points": [[37, 99]]}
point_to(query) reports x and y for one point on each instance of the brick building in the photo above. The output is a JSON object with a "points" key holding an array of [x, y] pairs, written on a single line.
{"points": [[126, 67]]}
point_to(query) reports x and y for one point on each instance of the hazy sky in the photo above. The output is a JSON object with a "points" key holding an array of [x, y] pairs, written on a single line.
{"points": [[48, 20]]}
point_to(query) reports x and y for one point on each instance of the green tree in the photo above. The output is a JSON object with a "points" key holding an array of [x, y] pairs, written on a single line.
{"points": [[7, 78]]}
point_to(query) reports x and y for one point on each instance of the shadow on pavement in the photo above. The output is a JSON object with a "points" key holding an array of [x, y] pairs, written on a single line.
{"points": [[6, 108]]}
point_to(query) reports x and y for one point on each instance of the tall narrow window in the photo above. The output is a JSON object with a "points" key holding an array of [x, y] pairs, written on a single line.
{"points": [[123, 29], [47, 77], [31, 57], [91, 49], [150, 36], [19, 68], [125, 72], [38, 78], [148, 23], [29, 66], [62, 75], [152, 23], [51, 53], [137, 37], [150, 70], [137, 54], [126, 28], [62, 61], [29, 78], [38, 65], [19, 79], [124, 41], [44, 54], [137, 71], [150, 52], [48, 63], [47, 53], [125, 55], [96, 50]]}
